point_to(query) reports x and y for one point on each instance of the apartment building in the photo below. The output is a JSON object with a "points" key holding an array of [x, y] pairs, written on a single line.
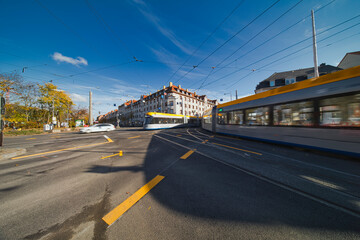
{"points": [[172, 99]]}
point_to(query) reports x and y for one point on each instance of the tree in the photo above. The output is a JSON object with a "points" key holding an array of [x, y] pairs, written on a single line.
{"points": [[54, 100], [79, 113], [28, 98], [9, 83]]}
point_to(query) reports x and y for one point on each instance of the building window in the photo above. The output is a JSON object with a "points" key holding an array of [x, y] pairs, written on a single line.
{"points": [[171, 103], [289, 81], [272, 83]]}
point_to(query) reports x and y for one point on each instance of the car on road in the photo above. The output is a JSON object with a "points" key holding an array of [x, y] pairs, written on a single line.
{"points": [[101, 127]]}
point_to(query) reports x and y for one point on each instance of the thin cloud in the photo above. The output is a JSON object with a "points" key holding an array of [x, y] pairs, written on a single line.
{"points": [[149, 15], [58, 57], [78, 98]]}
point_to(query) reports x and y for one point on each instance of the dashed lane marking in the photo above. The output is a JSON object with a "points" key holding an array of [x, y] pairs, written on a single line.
{"points": [[205, 141], [244, 150], [64, 149], [60, 150], [109, 139], [134, 137], [117, 212], [186, 155]]}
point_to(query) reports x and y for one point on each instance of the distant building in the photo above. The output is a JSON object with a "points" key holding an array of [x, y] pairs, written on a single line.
{"points": [[172, 99], [110, 117], [289, 77], [350, 60]]}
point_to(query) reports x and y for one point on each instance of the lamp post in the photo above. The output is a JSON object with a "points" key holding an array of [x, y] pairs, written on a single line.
{"points": [[229, 94]]}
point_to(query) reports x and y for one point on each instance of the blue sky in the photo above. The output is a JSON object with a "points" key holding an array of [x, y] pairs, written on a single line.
{"points": [[89, 45]]}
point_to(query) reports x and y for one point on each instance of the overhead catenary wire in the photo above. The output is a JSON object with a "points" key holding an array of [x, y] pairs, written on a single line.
{"points": [[282, 50], [299, 50], [234, 52], [228, 40], [270, 24], [208, 37], [273, 37]]}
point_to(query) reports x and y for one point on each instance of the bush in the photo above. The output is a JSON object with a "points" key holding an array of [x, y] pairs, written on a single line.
{"points": [[10, 132]]}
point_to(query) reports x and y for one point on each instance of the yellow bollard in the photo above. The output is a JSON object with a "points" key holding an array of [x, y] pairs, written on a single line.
{"points": [[120, 153]]}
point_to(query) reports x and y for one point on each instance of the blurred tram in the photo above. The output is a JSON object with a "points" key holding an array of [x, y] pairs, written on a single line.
{"points": [[320, 113], [155, 120]]}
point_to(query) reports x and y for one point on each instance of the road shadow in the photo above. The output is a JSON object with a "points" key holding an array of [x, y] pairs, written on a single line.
{"points": [[200, 187], [110, 169]]}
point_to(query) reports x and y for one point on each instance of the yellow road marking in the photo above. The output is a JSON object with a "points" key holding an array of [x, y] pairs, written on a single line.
{"points": [[212, 136], [133, 137], [117, 212], [205, 141], [60, 150], [110, 156], [236, 148], [120, 153], [109, 139], [30, 138], [178, 135], [186, 155]]}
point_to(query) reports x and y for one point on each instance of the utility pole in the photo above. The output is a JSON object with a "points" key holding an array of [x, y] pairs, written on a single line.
{"points": [[316, 70], [90, 108], [67, 119], [236, 93], [2, 112], [53, 108]]}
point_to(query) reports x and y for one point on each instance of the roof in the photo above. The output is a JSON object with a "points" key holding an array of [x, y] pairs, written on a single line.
{"points": [[328, 78], [352, 53], [323, 68]]}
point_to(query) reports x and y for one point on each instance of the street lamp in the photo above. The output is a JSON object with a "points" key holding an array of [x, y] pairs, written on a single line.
{"points": [[229, 93]]}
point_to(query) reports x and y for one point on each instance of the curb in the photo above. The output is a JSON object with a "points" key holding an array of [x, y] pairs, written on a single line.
{"points": [[6, 153]]}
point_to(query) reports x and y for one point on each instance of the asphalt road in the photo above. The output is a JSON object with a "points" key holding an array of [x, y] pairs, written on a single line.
{"points": [[174, 184]]}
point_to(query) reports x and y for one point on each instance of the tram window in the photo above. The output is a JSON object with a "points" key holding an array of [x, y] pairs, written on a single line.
{"points": [[340, 111], [148, 120], [207, 118], [222, 118], [179, 120], [294, 114], [257, 116], [236, 117]]}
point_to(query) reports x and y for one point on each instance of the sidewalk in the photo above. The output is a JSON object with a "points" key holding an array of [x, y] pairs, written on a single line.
{"points": [[6, 153]]}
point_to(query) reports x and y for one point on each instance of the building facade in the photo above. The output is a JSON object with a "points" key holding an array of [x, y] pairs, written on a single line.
{"points": [[172, 99], [350, 60], [289, 77]]}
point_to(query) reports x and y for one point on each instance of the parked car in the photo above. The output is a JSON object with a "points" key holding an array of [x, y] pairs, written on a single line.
{"points": [[101, 127]]}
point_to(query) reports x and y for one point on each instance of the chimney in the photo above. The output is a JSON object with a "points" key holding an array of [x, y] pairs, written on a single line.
{"points": [[170, 84], [194, 93], [163, 87], [186, 89], [179, 86]]}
